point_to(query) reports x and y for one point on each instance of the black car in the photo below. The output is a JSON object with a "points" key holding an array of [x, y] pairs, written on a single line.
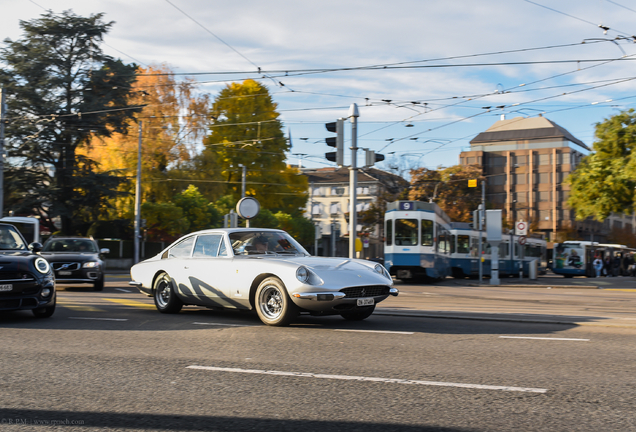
{"points": [[76, 260], [26, 279]]}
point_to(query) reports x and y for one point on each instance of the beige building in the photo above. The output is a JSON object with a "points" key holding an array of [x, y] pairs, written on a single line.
{"points": [[328, 205], [525, 161]]}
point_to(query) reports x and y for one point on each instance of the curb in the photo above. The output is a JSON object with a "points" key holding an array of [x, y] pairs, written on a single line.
{"points": [[540, 286]]}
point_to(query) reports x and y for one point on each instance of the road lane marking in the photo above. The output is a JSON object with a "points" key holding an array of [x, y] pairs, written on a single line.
{"points": [[619, 289], [543, 338], [375, 331], [99, 319], [131, 303], [369, 379], [223, 324], [123, 290], [78, 306]]}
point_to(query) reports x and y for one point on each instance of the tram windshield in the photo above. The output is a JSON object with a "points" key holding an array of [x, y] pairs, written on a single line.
{"points": [[406, 232]]}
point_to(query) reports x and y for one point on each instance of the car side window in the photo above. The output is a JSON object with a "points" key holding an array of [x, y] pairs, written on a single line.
{"points": [[182, 249], [207, 246]]}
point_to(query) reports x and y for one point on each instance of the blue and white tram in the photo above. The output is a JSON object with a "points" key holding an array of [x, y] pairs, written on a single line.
{"points": [[417, 240], [464, 257]]}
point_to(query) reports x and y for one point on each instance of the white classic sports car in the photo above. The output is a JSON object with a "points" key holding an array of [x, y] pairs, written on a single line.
{"points": [[262, 269]]}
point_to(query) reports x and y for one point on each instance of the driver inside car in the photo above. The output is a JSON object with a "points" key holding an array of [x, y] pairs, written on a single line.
{"points": [[260, 243]]}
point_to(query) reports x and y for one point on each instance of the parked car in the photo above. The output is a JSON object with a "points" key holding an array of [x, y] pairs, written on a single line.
{"points": [[262, 269], [26, 279], [76, 260]]}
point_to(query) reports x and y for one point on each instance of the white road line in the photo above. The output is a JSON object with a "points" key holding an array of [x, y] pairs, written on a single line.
{"points": [[223, 324], [375, 331], [99, 319], [369, 379], [543, 338], [123, 290]]}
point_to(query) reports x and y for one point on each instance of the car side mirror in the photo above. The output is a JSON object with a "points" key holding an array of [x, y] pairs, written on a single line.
{"points": [[35, 247], [104, 251]]}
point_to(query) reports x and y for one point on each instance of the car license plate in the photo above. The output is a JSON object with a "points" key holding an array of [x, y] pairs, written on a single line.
{"points": [[64, 273], [365, 302], [6, 287]]}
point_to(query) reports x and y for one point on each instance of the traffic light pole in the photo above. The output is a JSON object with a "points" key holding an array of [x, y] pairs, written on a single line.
{"points": [[353, 180], [2, 115]]}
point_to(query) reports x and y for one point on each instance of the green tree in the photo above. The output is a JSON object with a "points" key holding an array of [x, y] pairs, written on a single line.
{"points": [[62, 90], [448, 188], [164, 221], [246, 130], [197, 210], [605, 181]]}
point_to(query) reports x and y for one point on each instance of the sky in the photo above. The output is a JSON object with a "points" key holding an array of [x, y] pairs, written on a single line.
{"points": [[427, 76]]}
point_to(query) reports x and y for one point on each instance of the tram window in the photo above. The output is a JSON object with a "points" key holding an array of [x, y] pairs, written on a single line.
{"points": [[485, 246], [503, 249], [388, 232], [427, 233], [406, 232], [463, 244], [474, 247], [453, 240]]}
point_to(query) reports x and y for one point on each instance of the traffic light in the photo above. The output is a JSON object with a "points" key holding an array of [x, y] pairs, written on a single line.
{"points": [[371, 158], [337, 142]]}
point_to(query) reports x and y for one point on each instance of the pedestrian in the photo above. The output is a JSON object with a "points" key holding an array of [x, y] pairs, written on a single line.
{"points": [[607, 267], [616, 265], [598, 266]]}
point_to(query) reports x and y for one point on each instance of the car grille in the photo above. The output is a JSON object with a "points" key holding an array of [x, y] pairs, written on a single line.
{"points": [[16, 277], [365, 291], [70, 266]]}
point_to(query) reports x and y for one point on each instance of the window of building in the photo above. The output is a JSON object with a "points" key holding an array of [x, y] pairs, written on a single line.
{"points": [[497, 180], [471, 160], [334, 208], [544, 196], [543, 178], [363, 206], [316, 209], [545, 215], [317, 191], [497, 161], [520, 160], [520, 197], [337, 190], [544, 159], [564, 195], [520, 178]]}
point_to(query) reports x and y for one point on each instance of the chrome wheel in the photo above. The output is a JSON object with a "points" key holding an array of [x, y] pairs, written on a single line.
{"points": [[270, 302], [273, 305], [165, 298]]}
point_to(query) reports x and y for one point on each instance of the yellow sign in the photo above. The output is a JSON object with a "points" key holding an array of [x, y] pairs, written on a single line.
{"points": [[472, 183], [358, 244]]}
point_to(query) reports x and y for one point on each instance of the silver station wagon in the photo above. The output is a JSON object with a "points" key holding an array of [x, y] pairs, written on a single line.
{"points": [[262, 269]]}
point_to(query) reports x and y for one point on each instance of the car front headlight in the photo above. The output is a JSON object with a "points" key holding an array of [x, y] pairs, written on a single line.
{"points": [[302, 274], [90, 264], [379, 268], [42, 265]]}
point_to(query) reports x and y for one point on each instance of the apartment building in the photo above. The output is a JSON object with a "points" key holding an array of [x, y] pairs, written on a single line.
{"points": [[525, 161]]}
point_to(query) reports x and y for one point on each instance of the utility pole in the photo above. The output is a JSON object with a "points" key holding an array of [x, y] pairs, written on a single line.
{"points": [[482, 213], [353, 180], [138, 197], [2, 115]]}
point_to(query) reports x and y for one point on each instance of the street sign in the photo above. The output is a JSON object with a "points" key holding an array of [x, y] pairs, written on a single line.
{"points": [[521, 228], [522, 240], [472, 183]]}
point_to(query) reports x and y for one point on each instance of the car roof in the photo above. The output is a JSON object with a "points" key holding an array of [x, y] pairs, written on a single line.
{"points": [[234, 230]]}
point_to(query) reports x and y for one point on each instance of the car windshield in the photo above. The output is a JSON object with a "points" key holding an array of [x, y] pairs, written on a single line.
{"points": [[70, 245], [10, 239], [265, 242]]}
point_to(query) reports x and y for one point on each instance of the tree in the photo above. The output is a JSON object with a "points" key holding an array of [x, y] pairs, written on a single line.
{"points": [[605, 181], [62, 90], [448, 188], [197, 210], [174, 123], [246, 130]]}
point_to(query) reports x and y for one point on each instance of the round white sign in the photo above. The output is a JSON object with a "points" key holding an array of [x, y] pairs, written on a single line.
{"points": [[248, 207]]}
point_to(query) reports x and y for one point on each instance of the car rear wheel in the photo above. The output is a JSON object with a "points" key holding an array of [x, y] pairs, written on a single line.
{"points": [[166, 299], [273, 305], [358, 314], [45, 312]]}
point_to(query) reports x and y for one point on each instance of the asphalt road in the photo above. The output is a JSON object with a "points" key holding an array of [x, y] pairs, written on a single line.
{"points": [[108, 360]]}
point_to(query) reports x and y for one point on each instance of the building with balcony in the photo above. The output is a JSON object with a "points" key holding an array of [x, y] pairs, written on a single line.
{"points": [[328, 205]]}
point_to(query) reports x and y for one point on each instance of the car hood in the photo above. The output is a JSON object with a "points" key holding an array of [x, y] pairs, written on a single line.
{"points": [[69, 256]]}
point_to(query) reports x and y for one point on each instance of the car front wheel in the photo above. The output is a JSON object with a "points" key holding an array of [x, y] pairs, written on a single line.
{"points": [[99, 284], [166, 299], [358, 314], [273, 305]]}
